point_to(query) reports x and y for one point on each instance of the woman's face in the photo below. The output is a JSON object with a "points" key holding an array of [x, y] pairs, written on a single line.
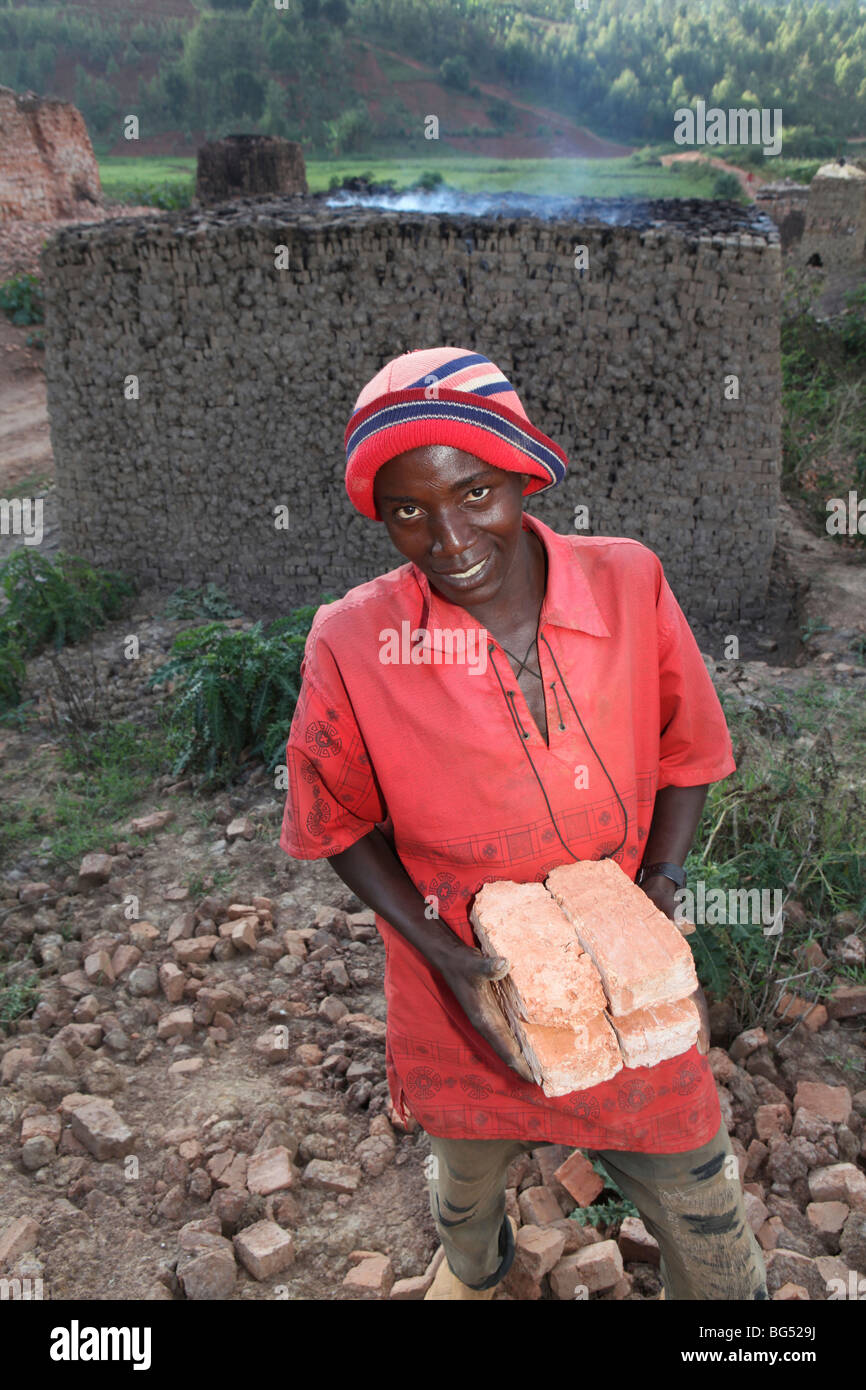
{"points": [[449, 512]]}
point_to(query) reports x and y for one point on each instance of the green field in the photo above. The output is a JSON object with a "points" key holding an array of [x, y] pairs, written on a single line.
{"points": [[595, 178]]}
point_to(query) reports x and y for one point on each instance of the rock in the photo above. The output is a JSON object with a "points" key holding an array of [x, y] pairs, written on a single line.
{"points": [[94, 869], [538, 1206], [176, 1024], [156, 820], [847, 1001], [270, 1171], [97, 1125], [840, 1182], [195, 950], [374, 1154], [332, 1176], [721, 1065], [579, 1179], [98, 968], [538, 1249], [831, 1103], [791, 1007], [335, 976], [37, 1152], [16, 1061], [186, 1066], [756, 1212], [791, 1293], [636, 1243], [850, 951], [787, 1266], [228, 1169], [828, 1218], [124, 959], [143, 982], [240, 828], [747, 1043], [772, 1119], [264, 1249], [18, 1237], [208, 1275], [852, 1242], [371, 1278], [273, 1045]]}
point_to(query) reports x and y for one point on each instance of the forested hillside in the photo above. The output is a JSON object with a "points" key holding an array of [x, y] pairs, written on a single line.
{"points": [[305, 72]]}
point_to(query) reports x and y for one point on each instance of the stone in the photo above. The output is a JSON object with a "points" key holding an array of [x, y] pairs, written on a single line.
{"points": [[125, 958], [208, 1275], [97, 1125], [186, 1066], [37, 1152], [828, 1218], [538, 1206], [264, 1249], [194, 951], [98, 968], [410, 1290], [176, 1024], [172, 981], [243, 934], [273, 1045], [371, 1278], [852, 1242], [847, 1001], [787, 1266], [17, 1238], [746, 1043], [839, 1182], [94, 869], [270, 1171], [756, 1212], [636, 1243], [332, 1175], [143, 982], [772, 1119], [240, 828], [831, 1103], [790, 1293], [155, 820], [539, 1248]]}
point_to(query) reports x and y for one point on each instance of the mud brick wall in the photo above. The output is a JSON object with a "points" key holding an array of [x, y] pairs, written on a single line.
{"points": [[835, 226], [247, 375], [47, 166]]}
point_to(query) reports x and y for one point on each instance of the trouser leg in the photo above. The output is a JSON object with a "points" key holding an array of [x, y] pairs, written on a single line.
{"points": [[466, 1180], [693, 1204]]}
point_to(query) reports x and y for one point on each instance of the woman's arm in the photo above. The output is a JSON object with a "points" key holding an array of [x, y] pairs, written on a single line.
{"points": [[676, 817], [372, 870]]}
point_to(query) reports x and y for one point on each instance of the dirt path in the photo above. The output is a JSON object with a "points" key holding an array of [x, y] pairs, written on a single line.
{"points": [[748, 182]]}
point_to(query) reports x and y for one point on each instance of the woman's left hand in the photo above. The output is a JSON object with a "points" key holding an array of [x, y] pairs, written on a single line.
{"points": [[662, 891]]}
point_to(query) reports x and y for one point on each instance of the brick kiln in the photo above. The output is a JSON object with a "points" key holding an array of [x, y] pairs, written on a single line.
{"points": [[248, 360]]}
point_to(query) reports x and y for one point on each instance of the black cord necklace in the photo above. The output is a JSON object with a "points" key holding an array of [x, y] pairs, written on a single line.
{"points": [[522, 664]]}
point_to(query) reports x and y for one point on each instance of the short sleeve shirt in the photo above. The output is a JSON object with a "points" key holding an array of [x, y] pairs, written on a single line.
{"points": [[409, 718]]}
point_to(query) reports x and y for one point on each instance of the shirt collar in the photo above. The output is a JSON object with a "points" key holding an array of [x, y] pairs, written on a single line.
{"points": [[568, 600]]}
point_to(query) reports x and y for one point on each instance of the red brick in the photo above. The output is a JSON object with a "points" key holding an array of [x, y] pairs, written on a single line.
{"points": [[578, 1177], [831, 1103], [538, 1206], [372, 1278]]}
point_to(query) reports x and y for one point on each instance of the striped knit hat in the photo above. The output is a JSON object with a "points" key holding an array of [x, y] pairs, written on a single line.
{"points": [[444, 395]]}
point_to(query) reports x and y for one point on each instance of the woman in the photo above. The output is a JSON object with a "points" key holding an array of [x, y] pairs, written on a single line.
{"points": [[508, 701]]}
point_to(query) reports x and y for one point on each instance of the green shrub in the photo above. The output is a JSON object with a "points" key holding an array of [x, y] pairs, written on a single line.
{"points": [[455, 72], [21, 299], [55, 602], [237, 693]]}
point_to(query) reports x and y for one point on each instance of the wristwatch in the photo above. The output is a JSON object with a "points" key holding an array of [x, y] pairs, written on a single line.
{"points": [[673, 871]]}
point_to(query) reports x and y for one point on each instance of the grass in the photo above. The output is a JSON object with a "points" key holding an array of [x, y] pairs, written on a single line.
{"points": [[17, 998], [80, 808], [127, 178], [790, 818]]}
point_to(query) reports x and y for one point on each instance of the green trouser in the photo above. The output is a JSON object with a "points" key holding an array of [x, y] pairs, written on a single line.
{"points": [[692, 1203]]}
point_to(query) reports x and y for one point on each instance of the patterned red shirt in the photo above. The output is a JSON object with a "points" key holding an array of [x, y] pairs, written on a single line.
{"points": [[434, 753]]}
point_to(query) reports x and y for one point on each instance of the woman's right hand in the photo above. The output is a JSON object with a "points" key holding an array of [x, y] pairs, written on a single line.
{"points": [[468, 973]]}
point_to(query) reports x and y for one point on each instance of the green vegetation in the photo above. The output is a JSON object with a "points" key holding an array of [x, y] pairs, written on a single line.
{"points": [[824, 406], [21, 299], [606, 1213], [50, 603], [209, 601], [237, 694], [791, 818], [623, 73], [17, 998]]}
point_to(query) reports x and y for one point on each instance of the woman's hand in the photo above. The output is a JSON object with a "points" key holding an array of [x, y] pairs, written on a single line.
{"points": [[468, 973], [662, 891]]}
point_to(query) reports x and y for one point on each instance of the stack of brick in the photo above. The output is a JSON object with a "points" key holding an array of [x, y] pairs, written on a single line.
{"points": [[599, 978]]}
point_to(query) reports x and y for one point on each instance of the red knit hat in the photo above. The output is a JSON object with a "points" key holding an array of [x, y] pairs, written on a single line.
{"points": [[444, 395]]}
